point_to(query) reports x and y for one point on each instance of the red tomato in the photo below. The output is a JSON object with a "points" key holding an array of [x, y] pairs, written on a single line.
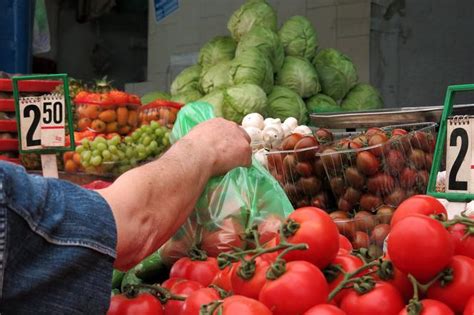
{"points": [[250, 287], [222, 278], [183, 288], [469, 310], [463, 244], [399, 132], [456, 293], [383, 299], [422, 204], [239, 305], [431, 307], [223, 239], [301, 286], [349, 264], [168, 284], [367, 163], [421, 246], [319, 232], [401, 282], [197, 270], [144, 303], [325, 309], [193, 302], [345, 245]]}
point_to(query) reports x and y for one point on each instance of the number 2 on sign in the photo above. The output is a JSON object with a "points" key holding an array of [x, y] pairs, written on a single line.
{"points": [[459, 156], [42, 122]]}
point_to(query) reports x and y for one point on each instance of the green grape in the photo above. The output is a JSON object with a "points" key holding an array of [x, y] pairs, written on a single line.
{"points": [[146, 129], [100, 140], [148, 151], [128, 140], [96, 160], [80, 149], [165, 141], [101, 146], [85, 163], [146, 141], [136, 135], [142, 155], [86, 143], [159, 132], [133, 162], [153, 145], [96, 153], [85, 156], [140, 148], [106, 155], [121, 155], [113, 149], [154, 125], [115, 140], [129, 153]]}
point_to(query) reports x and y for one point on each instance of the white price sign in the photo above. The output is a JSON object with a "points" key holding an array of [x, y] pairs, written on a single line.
{"points": [[42, 121], [460, 154]]}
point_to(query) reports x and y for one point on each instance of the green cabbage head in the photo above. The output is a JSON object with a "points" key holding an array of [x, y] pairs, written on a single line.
{"points": [[243, 99], [299, 75], [252, 13], [362, 97], [336, 72], [284, 103], [265, 40], [321, 103], [299, 37], [187, 96], [187, 80], [218, 49], [157, 95], [251, 66], [216, 76], [216, 99]]}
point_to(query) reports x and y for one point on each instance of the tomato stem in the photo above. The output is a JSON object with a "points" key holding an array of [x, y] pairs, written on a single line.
{"points": [[161, 293], [209, 309], [414, 307], [349, 278], [197, 254], [222, 293]]}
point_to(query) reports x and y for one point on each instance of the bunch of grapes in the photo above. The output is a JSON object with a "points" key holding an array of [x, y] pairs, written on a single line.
{"points": [[117, 155]]}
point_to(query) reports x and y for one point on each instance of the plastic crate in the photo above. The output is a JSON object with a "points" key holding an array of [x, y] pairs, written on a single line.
{"points": [[8, 126]]}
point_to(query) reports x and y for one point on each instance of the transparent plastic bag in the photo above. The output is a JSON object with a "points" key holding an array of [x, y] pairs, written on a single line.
{"points": [[229, 205]]}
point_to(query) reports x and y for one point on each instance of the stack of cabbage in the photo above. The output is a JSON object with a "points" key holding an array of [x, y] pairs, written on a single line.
{"points": [[278, 73]]}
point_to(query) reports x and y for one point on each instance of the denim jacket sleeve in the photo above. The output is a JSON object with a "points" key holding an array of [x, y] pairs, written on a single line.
{"points": [[57, 246]]}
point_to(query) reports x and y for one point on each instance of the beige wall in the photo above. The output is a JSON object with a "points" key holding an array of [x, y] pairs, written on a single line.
{"points": [[342, 24]]}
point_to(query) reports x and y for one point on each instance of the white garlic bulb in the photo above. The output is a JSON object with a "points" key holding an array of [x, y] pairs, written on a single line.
{"points": [[304, 130], [253, 120]]}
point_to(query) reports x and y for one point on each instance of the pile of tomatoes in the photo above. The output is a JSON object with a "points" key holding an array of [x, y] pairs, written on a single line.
{"points": [[309, 268]]}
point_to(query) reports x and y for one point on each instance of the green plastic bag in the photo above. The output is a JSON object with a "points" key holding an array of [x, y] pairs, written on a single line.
{"points": [[227, 208], [229, 205]]}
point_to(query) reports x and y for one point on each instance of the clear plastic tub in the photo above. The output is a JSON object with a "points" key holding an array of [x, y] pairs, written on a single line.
{"points": [[162, 111], [382, 166]]}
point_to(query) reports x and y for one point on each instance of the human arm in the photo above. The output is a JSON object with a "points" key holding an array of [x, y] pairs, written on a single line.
{"points": [[151, 202]]}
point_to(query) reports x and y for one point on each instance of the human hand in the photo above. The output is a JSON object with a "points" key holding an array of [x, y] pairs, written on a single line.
{"points": [[224, 143]]}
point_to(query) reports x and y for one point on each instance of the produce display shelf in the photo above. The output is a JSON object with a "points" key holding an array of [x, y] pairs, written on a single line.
{"points": [[384, 117], [9, 145], [29, 85], [8, 126], [7, 105], [9, 159]]}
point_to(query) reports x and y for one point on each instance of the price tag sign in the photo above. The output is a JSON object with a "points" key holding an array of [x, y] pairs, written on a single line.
{"points": [[459, 154], [42, 121], [45, 124]]}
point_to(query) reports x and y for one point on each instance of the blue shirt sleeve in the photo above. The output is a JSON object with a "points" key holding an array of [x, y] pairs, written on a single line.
{"points": [[57, 246]]}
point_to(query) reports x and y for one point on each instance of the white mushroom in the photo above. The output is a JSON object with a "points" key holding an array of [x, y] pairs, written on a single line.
{"points": [[273, 135], [261, 157], [291, 122], [272, 121], [253, 120], [254, 133], [304, 130], [286, 130]]}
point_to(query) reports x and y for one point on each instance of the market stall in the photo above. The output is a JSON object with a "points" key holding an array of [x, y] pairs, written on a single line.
{"points": [[348, 207]]}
